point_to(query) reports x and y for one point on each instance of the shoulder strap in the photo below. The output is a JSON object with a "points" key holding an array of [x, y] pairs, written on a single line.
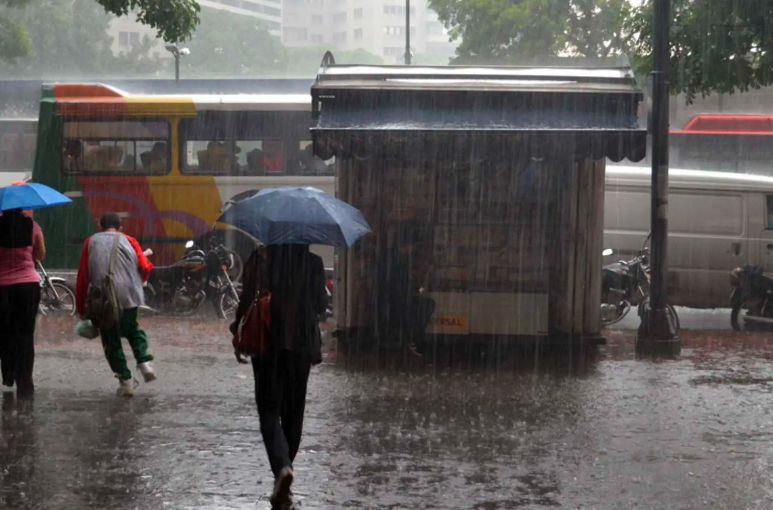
{"points": [[113, 253]]}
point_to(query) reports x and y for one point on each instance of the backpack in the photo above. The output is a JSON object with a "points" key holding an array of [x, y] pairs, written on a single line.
{"points": [[104, 309]]}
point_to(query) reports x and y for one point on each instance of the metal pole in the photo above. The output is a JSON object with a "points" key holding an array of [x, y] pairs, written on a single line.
{"points": [[177, 68], [657, 332], [407, 32]]}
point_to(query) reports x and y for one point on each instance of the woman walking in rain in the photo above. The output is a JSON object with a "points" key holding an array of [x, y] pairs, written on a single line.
{"points": [[296, 279], [21, 244]]}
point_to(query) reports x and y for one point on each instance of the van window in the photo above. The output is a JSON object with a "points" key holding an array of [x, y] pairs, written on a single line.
{"points": [[706, 213], [769, 212], [623, 210], [688, 213]]}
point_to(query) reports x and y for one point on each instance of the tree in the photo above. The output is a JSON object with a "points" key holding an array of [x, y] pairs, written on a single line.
{"points": [[61, 48], [509, 31], [304, 61], [174, 20], [716, 45], [228, 44]]}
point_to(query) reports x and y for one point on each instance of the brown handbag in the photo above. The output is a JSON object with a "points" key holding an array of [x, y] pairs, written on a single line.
{"points": [[253, 333]]}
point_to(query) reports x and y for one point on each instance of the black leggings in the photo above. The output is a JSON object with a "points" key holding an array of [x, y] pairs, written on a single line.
{"points": [[18, 311], [280, 392]]}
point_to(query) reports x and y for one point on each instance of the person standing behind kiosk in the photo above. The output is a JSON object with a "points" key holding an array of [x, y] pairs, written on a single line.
{"points": [[404, 275]]}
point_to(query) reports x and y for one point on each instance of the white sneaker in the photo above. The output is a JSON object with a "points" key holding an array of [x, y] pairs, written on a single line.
{"points": [[147, 371], [125, 388]]}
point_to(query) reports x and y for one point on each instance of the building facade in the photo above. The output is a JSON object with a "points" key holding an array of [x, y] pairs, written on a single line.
{"points": [[377, 26]]}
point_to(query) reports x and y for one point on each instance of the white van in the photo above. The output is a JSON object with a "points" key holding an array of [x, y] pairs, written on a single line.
{"points": [[717, 221]]}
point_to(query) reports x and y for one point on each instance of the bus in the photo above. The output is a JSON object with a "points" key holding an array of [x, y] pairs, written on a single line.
{"points": [[17, 149], [167, 164]]}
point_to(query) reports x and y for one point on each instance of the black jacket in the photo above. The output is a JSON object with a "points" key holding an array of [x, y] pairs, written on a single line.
{"points": [[296, 279]]}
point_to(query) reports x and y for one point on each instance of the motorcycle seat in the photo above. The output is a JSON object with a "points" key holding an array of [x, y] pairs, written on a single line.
{"points": [[171, 273]]}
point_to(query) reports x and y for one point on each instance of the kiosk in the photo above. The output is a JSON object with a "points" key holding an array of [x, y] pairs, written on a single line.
{"points": [[495, 178]]}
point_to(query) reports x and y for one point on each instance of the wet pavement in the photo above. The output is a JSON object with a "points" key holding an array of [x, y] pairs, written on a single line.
{"points": [[616, 433]]}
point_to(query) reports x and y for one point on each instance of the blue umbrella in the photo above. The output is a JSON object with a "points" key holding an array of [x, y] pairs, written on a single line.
{"points": [[30, 196], [297, 216]]}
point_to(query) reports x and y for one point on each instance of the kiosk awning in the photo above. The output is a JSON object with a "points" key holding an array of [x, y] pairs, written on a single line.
{"points": [[597, 109]]}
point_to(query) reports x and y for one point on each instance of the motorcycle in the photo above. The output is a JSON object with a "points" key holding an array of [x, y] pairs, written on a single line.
{"points": [[752, 292], [183, 287], [56, 296], [626, 284], [329, 294]]}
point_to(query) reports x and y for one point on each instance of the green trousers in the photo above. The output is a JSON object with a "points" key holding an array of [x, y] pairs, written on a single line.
{"points": [[111, 343]]}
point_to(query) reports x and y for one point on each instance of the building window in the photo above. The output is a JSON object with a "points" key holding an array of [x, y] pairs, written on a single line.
{"points": [[391, 51], [317, 19], [358, 34], [134, 38], [316, 38], [358, 13], [398, 9], [398, 31], [123, 39], [339, 17], [295, 33], [339, 37]]}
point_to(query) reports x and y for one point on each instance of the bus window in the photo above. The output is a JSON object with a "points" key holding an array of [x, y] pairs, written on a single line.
{"points": [[235, 143], [312, 165], [116, 147], [234, 157]]}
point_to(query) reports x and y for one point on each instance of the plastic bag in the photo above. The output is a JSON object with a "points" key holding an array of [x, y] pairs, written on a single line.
{"points": [[86, 329]]}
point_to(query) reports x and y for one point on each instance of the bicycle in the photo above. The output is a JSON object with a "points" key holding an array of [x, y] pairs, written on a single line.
{"points": [[56, 296]]}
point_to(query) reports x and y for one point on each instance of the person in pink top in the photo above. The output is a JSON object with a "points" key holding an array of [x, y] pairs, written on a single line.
{"points": [[21, 244]]}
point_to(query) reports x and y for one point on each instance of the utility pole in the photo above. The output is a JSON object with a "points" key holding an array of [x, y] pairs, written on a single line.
{"points": [[657, 333], [407, 32]]}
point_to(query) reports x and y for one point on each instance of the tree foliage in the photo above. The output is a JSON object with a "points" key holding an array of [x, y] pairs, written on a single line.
{"points": [[174, 20], [227, 44], [716, 45], [62, 48], [508, 31]]}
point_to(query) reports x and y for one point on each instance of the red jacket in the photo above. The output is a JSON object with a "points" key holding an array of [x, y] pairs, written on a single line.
{"points": [[82, 283]]}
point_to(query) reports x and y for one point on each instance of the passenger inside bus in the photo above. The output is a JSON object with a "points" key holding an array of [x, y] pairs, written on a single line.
{"points": [[311, 164], [273, 157], [255, 164], [219, 158], [73, 156], [155, 160]]}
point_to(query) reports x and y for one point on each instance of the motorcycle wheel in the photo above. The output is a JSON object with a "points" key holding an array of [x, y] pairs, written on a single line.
{"points": [[59, 299], [736, 319], [226, 304], [237, 270]]}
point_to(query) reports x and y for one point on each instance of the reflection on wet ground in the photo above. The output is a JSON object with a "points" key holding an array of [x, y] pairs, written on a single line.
{"points": [[688, 434]]}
